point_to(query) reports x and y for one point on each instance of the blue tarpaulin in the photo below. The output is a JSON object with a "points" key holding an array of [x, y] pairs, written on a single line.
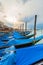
{"points": [[9, 59], [24, 56], [2, 52], [19, 42], [5, 37], [18, 35], [23, 41], [29, 55]]}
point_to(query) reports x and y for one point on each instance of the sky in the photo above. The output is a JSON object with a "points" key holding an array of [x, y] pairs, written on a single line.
{"points": [[22, 10]]}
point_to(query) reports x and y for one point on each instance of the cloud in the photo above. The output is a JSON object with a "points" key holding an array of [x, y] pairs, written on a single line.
{"points": [[18, 9], [23, 1], [27, 19]]}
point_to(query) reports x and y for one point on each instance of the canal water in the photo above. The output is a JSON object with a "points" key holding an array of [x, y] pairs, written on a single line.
{"points": [[39, 33]]}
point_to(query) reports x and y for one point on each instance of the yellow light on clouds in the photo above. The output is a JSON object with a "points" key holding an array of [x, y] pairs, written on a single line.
{"points": [[11, 19]]}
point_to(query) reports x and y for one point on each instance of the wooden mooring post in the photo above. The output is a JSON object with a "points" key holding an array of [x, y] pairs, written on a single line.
{"points": [[35, 27]]}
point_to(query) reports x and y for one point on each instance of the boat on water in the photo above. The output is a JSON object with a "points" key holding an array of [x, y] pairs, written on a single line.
{"points": [[7, 59], [20, 43], [24, 56], [26, 42], [18, 35]]}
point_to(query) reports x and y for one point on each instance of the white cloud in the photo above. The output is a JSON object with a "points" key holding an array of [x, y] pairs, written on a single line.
{"points": [[18, 9]]}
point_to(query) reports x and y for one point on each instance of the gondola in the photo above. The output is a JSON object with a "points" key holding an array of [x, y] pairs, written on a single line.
{"points": [[20, 43]]}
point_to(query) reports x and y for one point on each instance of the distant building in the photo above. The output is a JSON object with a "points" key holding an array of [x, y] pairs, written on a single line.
{"points": [[4, 28]]}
